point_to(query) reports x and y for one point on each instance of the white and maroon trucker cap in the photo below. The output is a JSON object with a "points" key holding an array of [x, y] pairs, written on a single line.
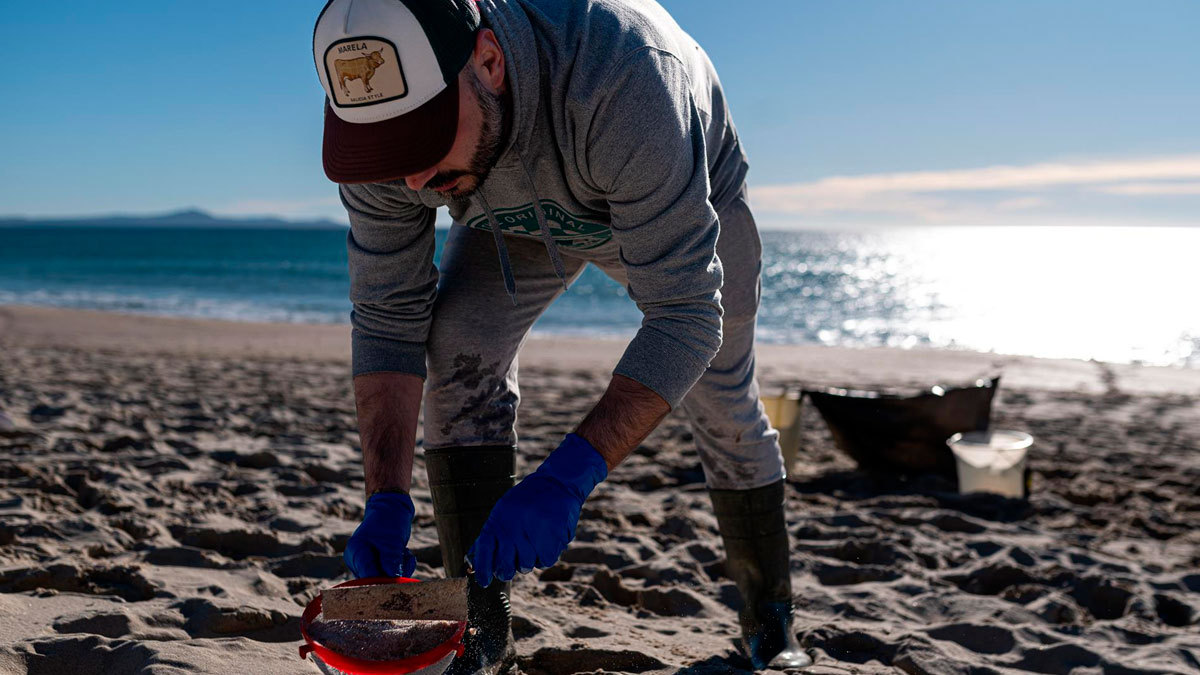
{"points": [[390, 69]]}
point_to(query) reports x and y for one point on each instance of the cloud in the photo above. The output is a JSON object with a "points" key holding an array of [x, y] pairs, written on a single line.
{"points": [[1152, 189], [965, 195], [1021, 203]]}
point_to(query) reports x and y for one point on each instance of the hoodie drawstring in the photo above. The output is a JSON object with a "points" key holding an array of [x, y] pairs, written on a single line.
{"points": [[544, 227], [510, 283]]}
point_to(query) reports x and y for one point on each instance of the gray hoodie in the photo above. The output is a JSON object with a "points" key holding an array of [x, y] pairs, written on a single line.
{"points": [[622, 136]]}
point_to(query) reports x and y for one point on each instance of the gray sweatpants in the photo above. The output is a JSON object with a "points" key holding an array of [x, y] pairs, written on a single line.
{"points": [[471, 392]]}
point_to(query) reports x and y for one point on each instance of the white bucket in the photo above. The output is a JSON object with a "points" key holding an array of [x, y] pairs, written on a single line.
{"points": [[991, 461]]}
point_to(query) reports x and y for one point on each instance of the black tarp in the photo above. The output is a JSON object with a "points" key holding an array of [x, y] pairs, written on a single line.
{"points": [[899, 434]]}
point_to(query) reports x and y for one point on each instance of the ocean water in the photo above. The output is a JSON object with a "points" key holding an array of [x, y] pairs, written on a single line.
{"points": [[1112, 294]]}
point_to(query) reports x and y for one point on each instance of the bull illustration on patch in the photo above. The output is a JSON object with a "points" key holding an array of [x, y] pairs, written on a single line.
{"points": [[363, 68]]}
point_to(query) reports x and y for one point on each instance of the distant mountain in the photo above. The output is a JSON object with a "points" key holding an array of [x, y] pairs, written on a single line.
{"points": [[185, 218]]}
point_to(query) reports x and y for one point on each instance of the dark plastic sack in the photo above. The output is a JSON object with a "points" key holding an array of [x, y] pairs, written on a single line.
{"points": [[890, 433]]}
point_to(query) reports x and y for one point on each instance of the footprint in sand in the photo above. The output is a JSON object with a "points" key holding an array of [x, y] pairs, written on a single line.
{"points": [[559, 661], [108, 624], [124, 581], [204, 618], [1173, 611], [586, 632], [981, 639], [848, 575], [186, 556]]}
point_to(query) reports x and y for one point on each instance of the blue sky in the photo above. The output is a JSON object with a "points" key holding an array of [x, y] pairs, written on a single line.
{"points": [[853, 113]]}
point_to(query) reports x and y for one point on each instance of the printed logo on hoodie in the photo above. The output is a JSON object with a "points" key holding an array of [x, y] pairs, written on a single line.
{"points": [[567, 229]]}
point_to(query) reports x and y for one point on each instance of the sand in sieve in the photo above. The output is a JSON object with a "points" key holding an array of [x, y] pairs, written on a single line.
{"points": [[381, 640]]}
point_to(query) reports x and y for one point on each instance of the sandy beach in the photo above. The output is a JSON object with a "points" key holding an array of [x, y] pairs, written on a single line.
{"points": [[173, 492]]}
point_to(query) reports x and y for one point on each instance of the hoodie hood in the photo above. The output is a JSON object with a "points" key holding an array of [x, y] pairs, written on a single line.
{"points": [[523, 74]]}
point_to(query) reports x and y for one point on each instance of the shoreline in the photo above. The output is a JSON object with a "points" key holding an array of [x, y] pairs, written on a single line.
{"points": [[812, 365]]}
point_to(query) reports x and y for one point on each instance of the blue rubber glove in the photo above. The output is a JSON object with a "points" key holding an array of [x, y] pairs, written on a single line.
{"points": [[534, 521], [379, 547]]}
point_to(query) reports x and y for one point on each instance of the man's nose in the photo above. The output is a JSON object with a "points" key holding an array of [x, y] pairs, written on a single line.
{"points": [[418, 180]]}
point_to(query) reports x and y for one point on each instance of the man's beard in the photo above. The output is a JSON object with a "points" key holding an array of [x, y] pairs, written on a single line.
{"points": [[493, 133]]}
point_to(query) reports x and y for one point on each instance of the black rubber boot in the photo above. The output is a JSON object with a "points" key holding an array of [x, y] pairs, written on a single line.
{"points": [[465, 483], [756, 558]]}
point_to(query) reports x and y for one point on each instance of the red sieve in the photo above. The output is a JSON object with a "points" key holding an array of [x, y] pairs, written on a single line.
{"points": [[354, 666]]}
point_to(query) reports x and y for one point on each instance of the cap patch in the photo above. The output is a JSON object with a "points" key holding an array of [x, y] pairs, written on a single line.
{"points": [[364, 71]]}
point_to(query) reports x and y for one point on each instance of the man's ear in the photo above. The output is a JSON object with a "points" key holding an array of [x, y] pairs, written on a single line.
{"points": [[488, 60]]}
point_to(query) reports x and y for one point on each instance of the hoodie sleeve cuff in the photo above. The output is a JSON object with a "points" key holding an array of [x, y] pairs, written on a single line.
{"points": [[660, 363], [380, 355]]}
